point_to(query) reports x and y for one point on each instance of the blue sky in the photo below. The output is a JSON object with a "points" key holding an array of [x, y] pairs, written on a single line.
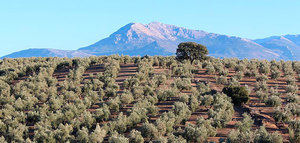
{"points": [[71, 24]]}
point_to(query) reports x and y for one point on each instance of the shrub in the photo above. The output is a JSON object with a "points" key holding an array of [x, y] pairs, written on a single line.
{"points": [[149, 130], [207, 124], [239, 67], [239, 75], [126, 97], [294, 130], [182, 111], [262, 136], [264, 68], [238, 94], [83, 135], [166, 122], [194, 104], [243, 132], [117, 138], [207, 100], [136, 137], [274, 91], [222, 110], [234, 82], [137, 92], [273, 101], [292, 98], [261, 86], [114, 104], [210, 69], [183, 70], [130, 83], [203, 88], [102, 113], [280, 115], [110, 92], [251, 73], [291, 89], [290, 80], [224, 72], [164, 95], [263, 96], [192, 133], [63, 65], [182, 83], [292, 108], [184, 98], [121, 123], [97, 136], [160, 79], [275, 74], [221, 80], [262, 78]]}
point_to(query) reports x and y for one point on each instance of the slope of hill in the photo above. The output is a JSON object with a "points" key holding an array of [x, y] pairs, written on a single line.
{"points": [[287, 46], [162, 39], [47, 53], [108, 98]]}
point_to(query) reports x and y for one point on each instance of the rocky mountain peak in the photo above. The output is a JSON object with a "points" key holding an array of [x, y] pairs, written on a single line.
{"points": [[157, 38]]}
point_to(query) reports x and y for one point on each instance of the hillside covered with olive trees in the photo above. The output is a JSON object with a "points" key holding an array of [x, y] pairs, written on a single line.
{"points": [[121, 99]]}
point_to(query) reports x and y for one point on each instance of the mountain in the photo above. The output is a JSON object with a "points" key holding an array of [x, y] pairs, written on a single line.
{"points": [[134, 38], [162, 39], [287, 46], [47, 53]]}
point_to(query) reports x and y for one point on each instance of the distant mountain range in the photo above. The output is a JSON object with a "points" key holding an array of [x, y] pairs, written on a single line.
{"points": [[162, 39]]}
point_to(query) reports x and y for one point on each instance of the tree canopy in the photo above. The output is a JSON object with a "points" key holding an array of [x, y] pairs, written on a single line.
{"points": [[191, 51]]}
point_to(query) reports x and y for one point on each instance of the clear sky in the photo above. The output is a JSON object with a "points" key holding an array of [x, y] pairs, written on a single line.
{"points": [[71, 24]]}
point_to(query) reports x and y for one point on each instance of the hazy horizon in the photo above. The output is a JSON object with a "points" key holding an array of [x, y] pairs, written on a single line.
{"points": [[70, 25]]}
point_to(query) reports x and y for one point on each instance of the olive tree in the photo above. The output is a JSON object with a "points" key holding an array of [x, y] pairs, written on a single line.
{"points": [[273, 101], [136, 137]]}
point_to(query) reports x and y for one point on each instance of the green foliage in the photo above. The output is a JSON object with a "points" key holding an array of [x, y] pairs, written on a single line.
{"points": [[203, 88], [181, 110], [194, 104], [261, 78], [293, 98], [192, 133], [263, 136], [126, 97], [136, 137], [238, 94], [280, 115], [191, 51], [65, 102], [102, 113], [221, 80], [164, 95], [291, 89], [275, 74], [222, 110], [243, 132], [263, 96], [182, 83], [149, 130], [294, 130], [118, 138], [273, 101], [264, 67]]}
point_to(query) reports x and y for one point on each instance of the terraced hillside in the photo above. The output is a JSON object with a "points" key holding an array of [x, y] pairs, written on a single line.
{"points": [[158, 99]]}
